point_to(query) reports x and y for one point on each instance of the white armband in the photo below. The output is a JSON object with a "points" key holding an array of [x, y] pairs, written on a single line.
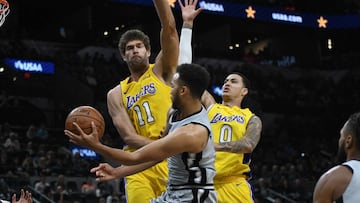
{"points": [[185, 55]]}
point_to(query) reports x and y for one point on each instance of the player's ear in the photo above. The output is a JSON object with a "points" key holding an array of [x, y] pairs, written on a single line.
{"points": [[184, 90], [244, 91], [349, 141]]}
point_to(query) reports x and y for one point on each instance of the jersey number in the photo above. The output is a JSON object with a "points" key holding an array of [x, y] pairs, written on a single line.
{"points": [[225, 134], [149, 116]]}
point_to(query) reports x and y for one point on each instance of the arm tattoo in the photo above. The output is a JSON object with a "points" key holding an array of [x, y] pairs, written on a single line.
{"points": [[248, 143]]}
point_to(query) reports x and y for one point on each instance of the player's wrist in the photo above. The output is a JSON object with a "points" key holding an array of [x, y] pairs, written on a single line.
{"points": [[187, 25]]}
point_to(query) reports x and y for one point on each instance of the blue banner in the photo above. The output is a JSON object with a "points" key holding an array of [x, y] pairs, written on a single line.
{"points": [[84, 152], [267, 14], [34, 66]]}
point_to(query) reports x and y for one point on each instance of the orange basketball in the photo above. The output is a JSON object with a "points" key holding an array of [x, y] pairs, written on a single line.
{"points": [[83, 116]]}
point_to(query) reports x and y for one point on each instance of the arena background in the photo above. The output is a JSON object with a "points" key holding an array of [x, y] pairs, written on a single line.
{"points": [[305, 84]]}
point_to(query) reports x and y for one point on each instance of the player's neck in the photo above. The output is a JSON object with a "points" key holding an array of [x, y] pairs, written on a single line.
{"points": [[189, 109], [137, 70], [231, 103], [135, 75], [355, 156]]}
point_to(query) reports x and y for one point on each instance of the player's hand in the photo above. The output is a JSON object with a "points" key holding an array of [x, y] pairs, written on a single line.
{"points": [[83, 139], [104, 172], [25, 197], [189, 11]]}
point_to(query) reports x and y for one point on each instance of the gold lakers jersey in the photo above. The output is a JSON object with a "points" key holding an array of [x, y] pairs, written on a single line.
{"points": [[147, 102], [229, 124]]}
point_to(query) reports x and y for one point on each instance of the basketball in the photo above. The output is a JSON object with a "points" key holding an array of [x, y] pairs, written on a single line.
{"points": [[83, 116]]}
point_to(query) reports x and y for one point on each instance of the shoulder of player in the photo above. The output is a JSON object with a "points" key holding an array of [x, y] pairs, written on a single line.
{"points": [[333, 183], [191, 130], [255, 119], [115, 92], [114, 99], [192, 136], [337, 176]]}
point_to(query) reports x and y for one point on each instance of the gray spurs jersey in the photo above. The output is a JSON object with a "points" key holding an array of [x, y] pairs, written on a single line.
{"points": [[192, 170], [351, 194]]}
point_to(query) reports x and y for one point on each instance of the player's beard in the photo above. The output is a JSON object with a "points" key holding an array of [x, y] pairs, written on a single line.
{"points": [[175, 101], [138, 63], [341, 155]]}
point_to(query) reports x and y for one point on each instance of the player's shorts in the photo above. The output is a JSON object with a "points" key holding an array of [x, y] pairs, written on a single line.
{"points": [[237, 191], [146, 185], [187, 196]]}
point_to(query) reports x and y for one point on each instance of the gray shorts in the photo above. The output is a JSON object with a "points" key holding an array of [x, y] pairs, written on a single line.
{"points": [[187, 195]]}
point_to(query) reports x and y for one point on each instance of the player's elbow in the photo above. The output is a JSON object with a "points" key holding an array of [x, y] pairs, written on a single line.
{"points": [[248, 148], [130, 141], [170, 30], [127, 140], [169, 26], [196, 148]]}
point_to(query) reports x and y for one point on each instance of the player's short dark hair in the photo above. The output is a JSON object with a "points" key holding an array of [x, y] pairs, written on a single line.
{"points": [[194, 76], [245, 80], [353, 126], [130, 35]]}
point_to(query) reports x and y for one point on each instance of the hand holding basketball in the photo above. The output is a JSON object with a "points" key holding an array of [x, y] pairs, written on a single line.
{"points": [[85, 126]]}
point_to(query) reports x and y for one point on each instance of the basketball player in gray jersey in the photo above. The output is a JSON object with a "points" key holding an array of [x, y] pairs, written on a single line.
{"points": [[341, 183], [196, 178], [188, 144]]}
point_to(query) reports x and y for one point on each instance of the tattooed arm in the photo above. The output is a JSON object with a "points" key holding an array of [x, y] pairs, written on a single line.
{"points": [[248, 143]]}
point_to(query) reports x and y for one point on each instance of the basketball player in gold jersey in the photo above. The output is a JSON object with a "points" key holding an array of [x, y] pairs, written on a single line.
{"points": [[139, 104], [236, 134]]}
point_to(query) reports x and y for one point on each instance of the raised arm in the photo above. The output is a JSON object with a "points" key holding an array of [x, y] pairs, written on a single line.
{"points": [[105, 172], [122, 121], [207, 99], [166, 61], [248, 143], [189, 13]]}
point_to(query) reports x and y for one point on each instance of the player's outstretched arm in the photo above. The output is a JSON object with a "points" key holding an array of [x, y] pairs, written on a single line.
{"points": [[207, 99], [105, 172], [248, 143], [167, 59], [92, 141], [189, 13], [122, 121], [189, 138]]}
